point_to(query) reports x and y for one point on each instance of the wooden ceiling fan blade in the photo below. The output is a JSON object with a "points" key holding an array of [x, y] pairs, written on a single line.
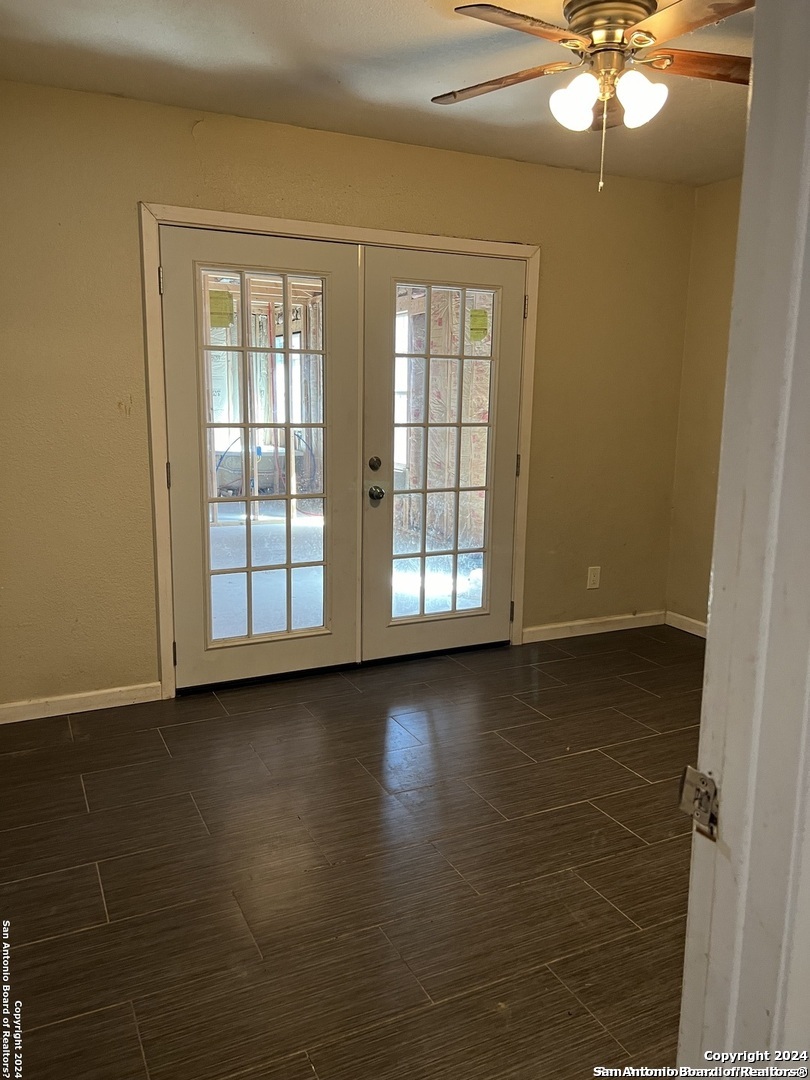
{"points": [[503, 81], [526, 23], [703, 65], [684, 17]]}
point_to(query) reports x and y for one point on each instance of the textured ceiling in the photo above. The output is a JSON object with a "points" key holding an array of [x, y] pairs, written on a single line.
{"points": [[369, 67]]}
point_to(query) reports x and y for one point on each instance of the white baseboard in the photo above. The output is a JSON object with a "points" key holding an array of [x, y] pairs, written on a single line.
{"points": [[683, 622], [550, 631], [36, 708]]}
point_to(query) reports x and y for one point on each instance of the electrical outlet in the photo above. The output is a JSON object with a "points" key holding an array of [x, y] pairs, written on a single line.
{"points": [[594, 573]]}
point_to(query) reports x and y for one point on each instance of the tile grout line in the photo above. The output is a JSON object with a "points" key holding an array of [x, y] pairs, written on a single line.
{"points": [[140, 1040], [103, 896], [655, 731], [454, 868], [495, 731], [163, 740], [247, 925], [605, 898], [376, 780], [620, 823], [79, 1016], [617, 762], [202, 819], [84, 793], [466, 782], [407, 965], [606, 1030], [70, 729], [221, 703]]}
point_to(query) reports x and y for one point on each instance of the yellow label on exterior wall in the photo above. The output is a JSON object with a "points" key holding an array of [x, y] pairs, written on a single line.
{"points": [[479, 324], [221, 307]]}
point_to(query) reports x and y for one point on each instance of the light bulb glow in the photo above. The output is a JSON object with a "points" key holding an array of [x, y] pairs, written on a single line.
{"points": [[573, 106], [641, 99]]}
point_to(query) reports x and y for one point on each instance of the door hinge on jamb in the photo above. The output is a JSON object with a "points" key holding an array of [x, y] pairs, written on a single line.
{"points": [[160, 280], [525, 305], [512, 611], [174, 653], [517, 466], [699, 798], [168, 474]]}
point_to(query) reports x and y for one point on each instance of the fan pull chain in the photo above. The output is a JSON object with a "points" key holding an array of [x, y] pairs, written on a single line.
{"points": [[604, 133]]}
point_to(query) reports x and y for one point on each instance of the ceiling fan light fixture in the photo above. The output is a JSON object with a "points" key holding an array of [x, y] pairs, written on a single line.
{"points": [[573, 106], [640, 98]]}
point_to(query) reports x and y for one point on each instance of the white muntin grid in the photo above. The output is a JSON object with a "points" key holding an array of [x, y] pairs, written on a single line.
{"points": [[429, 435], [287, 423]]}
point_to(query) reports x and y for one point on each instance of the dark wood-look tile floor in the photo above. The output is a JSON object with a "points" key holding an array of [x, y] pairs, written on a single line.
{"points": [[461, 867]]}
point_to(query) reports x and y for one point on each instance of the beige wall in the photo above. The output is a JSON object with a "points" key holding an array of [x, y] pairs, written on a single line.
{"points": [[78, 609], [711, 280]]}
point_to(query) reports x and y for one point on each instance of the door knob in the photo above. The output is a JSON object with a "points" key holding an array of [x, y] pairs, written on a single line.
{"points": [[376, 493]]}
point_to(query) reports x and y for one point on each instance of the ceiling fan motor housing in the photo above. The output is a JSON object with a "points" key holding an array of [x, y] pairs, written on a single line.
{"points": [[606, 20]]}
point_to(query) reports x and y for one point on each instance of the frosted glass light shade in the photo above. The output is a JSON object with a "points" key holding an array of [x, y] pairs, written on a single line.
{"points": [[641, 99], [573, 106]]}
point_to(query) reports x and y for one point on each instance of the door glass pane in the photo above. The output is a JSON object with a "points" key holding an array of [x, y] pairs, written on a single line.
{"points": [[224, 387], [269, 601], [268, 461], [268, 388], [470, 580], [221, 307], [441, 457], [307, 597], [478, 312], [225, 462], [438, 584], [262, 363], [445, 318], [306, 313], [227, 532], [409, 458], [441, 492], [473, 471], [406, 587], [407, 524], [307, 447], [475, 393], [268, 533], [306, 527], [266, 296], [440, 531], [444, 391], [228, 606], [411, 319], [306, 388], [471, 517], [409, 390]]}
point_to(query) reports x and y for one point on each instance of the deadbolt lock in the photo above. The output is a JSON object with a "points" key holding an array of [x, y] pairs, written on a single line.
{"points": [[374, 463]]}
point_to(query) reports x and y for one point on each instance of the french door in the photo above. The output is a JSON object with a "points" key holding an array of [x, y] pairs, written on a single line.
{"points": [[322, 513]]}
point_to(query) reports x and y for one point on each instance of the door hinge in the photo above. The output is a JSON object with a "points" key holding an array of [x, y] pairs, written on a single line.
{"points": [[174, 653], [517, 466], [512, 611], [160, 280], [168, 474], [699, 798], [525, 305]]}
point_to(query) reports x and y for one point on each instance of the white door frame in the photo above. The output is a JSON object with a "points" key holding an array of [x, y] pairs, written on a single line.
{"points": [[152, 216], [747, 969]]}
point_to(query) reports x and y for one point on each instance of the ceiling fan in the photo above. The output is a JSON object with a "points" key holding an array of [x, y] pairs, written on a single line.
{"points": [[612, 38]]}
